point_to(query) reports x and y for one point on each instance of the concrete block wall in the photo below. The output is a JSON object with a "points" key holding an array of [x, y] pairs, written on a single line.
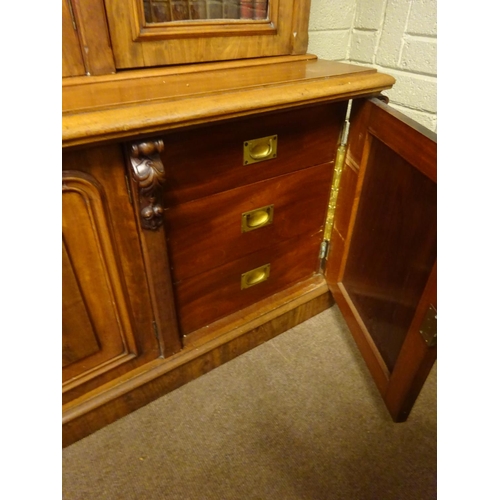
{"points": [[398, 37]]}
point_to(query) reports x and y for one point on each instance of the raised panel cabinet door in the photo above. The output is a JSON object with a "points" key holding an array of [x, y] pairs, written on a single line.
{"points": [[108, 325], [382, 264]]}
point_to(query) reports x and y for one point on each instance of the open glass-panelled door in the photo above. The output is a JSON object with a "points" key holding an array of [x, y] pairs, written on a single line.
{"points": [[381, 264]]}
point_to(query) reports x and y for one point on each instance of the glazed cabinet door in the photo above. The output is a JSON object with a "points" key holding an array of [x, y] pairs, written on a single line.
{"points": [[147, 33], [381, 266], [107, 319]]}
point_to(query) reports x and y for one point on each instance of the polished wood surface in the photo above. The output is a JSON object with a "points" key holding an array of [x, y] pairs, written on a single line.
{"points": [[388, 266], [390, 249], [203, 114], [216, 293], [137, 44], [146, 178], [306, 137], [91, 19], [184, 69], [72, 59], [89, 247], [78, 336], [415, 360], [207, 233], [244, 331], [214, 79], [103, 248], [97, 114]]}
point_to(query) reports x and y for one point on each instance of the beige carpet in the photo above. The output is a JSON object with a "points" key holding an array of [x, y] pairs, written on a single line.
{"points": [[296, 418]]}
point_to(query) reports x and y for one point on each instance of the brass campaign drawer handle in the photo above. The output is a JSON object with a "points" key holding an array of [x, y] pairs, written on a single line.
{"points": [[255, 276], [261, 149], [256, 218]]}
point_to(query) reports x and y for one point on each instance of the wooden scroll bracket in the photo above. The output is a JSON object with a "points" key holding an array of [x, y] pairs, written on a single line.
{"points": [[148, 172]]}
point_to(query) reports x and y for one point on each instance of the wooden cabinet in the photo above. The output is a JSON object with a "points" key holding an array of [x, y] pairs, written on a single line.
{"points": [[208, 208], [101, 36], [108, 323]]}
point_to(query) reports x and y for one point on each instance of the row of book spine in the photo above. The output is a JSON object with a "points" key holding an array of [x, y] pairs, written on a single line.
{"points": [[161, 11]]}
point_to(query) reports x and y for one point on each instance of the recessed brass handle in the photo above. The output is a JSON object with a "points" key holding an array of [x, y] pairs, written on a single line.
{"points": [[255, 276], [259, 217], [261, 149]]}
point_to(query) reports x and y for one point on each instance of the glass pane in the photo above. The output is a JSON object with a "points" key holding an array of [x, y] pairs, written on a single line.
{"points": [[161, 11]]}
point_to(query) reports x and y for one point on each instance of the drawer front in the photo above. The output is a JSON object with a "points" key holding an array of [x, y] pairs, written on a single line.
{"points": [[210, 232], [204, 161], [203, 299]]}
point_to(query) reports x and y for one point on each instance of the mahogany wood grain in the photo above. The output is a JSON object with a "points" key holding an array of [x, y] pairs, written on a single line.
{"points": [[300, 27], [88, 240], [131, 51], [154, 244], [173, 84], [260, 312], [72, 59], [345, 200], [415, 360], [242, 92], [235, 336], [93, 33], [105, 165], [306, 137], [78, 336], [358, 130], [390, 250], [160, 287], [216, 293], [184, 69], [207, 233], [420, 153], [392, 247]]}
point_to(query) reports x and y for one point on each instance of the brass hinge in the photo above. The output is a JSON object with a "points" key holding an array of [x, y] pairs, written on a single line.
{"points": [[323, 251], [334, 191], [428, 328]]}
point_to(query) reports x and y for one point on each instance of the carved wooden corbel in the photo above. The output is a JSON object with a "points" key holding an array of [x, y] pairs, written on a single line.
{"points": [[148, 172]]}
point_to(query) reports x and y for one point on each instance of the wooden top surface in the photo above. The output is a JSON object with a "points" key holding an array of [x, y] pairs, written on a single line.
{"points": [[144, 102]]}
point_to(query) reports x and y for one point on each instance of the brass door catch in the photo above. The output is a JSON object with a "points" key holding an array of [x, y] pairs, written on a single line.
{"points": [[255, 276], [256, 218], [265, 148]]}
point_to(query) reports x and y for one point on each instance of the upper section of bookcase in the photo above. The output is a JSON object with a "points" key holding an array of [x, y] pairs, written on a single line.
{"points": [[105, 36]]}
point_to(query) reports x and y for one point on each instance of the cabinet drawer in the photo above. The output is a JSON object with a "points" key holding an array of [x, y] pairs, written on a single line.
{"points": [[203, 299], [210, 232], [208, 160]]}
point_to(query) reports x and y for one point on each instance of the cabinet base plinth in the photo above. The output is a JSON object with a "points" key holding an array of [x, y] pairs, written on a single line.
{"points": [[223, 341]]}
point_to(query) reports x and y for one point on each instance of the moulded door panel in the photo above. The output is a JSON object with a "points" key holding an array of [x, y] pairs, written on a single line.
{"points": [[107, 320]]}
